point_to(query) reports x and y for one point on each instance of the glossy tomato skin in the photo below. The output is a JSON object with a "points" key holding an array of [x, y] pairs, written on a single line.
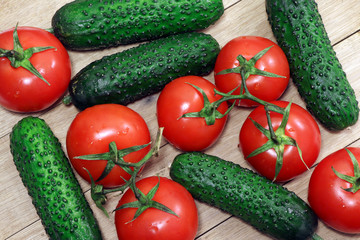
{"points": [[154, 224], [178, 98], [336, 207], [21, 90], [301, 126], [94, 128], [274, 61]]}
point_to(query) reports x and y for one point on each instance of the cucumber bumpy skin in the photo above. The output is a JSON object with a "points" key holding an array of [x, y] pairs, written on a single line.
{"points": [[140, 71], [46, 173], [265, 205], [315, 68], [96, 24]]}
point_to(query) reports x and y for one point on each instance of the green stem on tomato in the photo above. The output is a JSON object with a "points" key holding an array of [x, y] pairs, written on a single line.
{"points": [[271, 128], [245, 69], [246, 95], [353, 180], [144, 201], [277, 140], [19, 57], [115, 157], [210, 112]]}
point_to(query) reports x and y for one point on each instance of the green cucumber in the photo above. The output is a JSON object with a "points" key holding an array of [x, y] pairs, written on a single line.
{"points": [[143, 70], [96, 24], [315, 68], [46, 173], [267, 206]]}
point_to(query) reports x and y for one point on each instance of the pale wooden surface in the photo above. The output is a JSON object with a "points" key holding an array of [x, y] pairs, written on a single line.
{"points": [[18, 219]]}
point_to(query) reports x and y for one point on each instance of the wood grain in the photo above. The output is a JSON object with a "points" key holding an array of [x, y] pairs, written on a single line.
{"points": [[18, 218]]}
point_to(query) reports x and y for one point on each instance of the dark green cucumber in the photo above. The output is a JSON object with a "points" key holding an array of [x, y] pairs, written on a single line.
{"points": [[46, 173], [138, 72], [96, 24], [315, 68], [267, 206]]}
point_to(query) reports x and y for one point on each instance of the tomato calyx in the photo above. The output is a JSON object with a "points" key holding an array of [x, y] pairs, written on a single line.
{"points": [[245, 69], [115, 157], [354, 180], [248, 66], [145, 201], [209, 112], [19, 57], [277, 139], [98, 195]]}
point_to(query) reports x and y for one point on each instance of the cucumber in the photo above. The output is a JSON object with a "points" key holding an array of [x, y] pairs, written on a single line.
{"points": [[46, 173], [267, 206], [315, 68], [143, 70], [97, 24]]}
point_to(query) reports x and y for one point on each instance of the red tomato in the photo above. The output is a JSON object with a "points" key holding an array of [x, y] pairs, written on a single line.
{"points": [[301, 126], [178, 98], [154, 224], [274, 61], [336, 207], [21, 90], [94, 128]]}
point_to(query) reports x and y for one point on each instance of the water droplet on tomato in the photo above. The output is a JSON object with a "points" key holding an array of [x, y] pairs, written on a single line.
{"points": [[154, 229], [125, 131], [17, 94]]}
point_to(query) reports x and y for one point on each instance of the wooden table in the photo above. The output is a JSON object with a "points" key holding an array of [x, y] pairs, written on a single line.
{"points": [[18, 219]]}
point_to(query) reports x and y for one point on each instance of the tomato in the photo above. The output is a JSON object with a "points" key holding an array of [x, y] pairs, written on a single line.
{"points": [[336, 207], [155, 224], [91, 132], [177, 98], [301, 126], [21, 90], [274, 61]]}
